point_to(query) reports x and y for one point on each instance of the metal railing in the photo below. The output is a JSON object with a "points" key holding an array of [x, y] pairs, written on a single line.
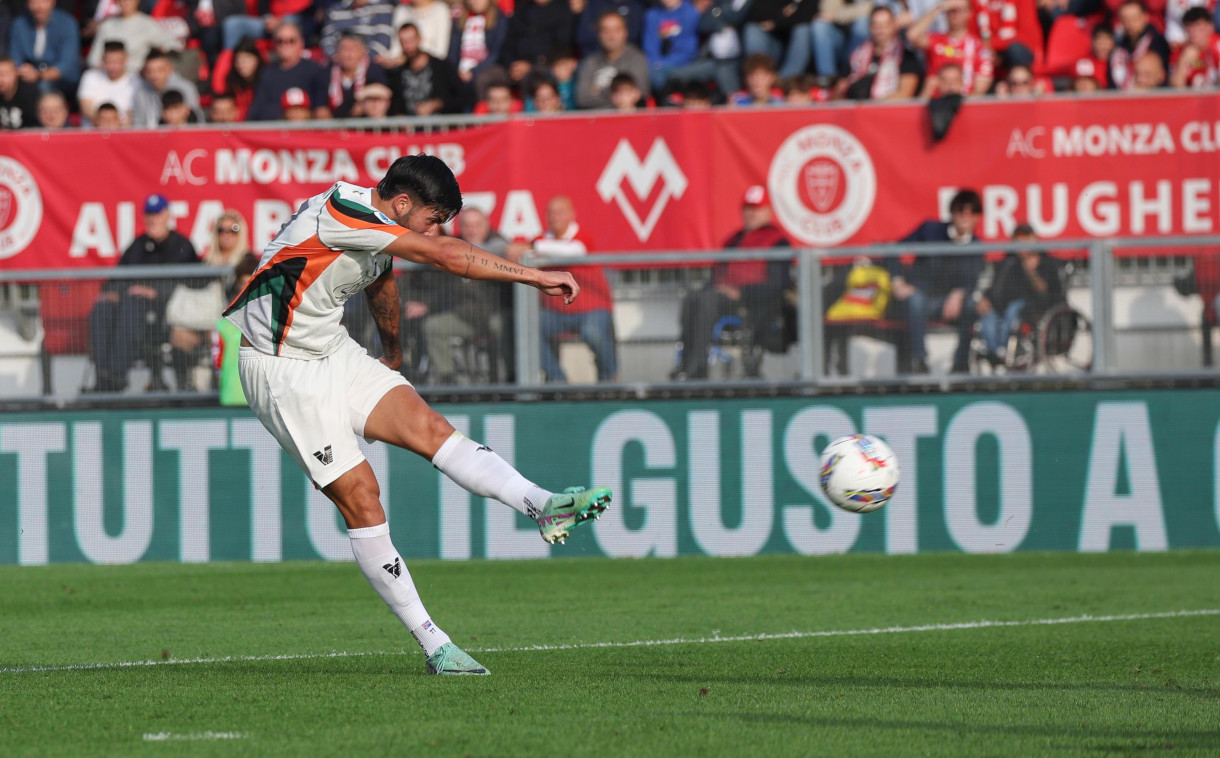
{"points": [[1125, 342]]}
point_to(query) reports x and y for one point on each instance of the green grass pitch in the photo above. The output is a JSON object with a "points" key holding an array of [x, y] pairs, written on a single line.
{"points": [[318, 666]]}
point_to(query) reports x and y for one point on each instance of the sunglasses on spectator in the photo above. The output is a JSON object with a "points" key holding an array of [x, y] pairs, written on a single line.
{"points": [[234, 228]]}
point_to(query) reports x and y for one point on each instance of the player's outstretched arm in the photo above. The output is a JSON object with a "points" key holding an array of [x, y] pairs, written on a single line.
{"points": [[463, 259], [382, 297]]}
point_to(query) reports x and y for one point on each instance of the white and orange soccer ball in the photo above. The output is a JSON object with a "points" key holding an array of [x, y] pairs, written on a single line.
{"points": [[859, 473]]}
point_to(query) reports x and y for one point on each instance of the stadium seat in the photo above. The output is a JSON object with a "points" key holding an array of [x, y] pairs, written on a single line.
{"points": [[1070, 40], [65, 308]]}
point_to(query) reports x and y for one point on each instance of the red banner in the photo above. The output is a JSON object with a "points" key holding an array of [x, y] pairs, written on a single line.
{"points": [[671, 180]]}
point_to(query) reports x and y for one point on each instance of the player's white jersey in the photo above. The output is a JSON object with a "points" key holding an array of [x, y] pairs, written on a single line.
{"points": [[327, 252]]}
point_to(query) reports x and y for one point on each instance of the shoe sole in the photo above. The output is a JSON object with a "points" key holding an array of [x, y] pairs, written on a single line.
{"points": [[593, 510]]}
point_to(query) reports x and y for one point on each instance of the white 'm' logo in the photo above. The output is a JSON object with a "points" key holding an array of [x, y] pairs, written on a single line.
{"points": [[658, 164], [20, 208]]}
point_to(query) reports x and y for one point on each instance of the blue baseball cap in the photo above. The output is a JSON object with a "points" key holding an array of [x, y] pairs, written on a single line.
{"points": [[155, 204]]}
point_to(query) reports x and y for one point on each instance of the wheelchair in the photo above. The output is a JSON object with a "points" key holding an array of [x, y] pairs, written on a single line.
{"points": [[1060, 342]]}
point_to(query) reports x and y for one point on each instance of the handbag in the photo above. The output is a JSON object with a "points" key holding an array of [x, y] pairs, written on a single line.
{"points": [[195, 308]]}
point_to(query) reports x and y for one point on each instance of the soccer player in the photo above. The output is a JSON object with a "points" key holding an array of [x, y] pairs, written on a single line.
{"points": [[316, 390]]}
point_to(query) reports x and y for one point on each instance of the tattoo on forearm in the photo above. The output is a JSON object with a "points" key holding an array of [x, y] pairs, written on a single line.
{"points": [[382, 297]]}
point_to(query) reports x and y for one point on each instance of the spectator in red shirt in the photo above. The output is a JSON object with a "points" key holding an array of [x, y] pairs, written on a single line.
{"points": [[241, 80], [591, 315], [1009, 27], [751, 288], [1139, 38], [957, 45], [1198, 63]]}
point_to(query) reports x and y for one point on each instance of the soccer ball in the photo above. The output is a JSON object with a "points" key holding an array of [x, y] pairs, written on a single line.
{"points": [[859, 473]]}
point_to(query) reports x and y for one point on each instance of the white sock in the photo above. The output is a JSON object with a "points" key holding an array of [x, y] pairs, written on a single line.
{"points": [[386, 571], [479, 470]]}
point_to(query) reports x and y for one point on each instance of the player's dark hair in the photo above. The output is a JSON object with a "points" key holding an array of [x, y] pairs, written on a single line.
{"points": [[426, 180], [114, 46], [1195, 15], [966, 199]]}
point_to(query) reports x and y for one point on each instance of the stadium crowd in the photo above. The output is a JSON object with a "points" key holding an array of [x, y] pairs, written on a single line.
{"points": [[144, 63]]}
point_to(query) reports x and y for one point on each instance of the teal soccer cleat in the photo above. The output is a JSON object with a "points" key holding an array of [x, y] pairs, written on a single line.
{"points": [[451, 660], [573, 506]]}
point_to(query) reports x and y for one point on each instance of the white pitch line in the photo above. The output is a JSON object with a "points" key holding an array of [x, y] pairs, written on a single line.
{"points": [[984, 624], [172, 736]]}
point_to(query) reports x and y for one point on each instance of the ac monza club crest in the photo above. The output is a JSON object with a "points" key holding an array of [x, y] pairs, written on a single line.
{"points": [[822, 185], [20, 208]]}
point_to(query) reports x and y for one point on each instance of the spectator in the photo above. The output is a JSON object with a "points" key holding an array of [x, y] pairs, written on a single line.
{"points": [[459, 310], [45, 45], [615, 56], [752, 289], [761, 80], [625, 94], [369, 21], [882, 67], [841, 26], [373, 101], [1020, 82], [781, 30], [720, 57], [175, 111], [107, 117], [1025, 287], [536, 28], [562, 64], [52, 110], [957, 45], [804, 90], [590, 317], [696, 96], [588, 25], [671, 39], [138, 32], [1175, 19], [351, 71], [1102, 46], [291, 70], [295, 106], [1009, 28], [476, 42], [1085, 77], [1139, 38], [241, 80], [544, 97], [159, 78], [207, 23], [1198, 63], [273, 14], [195, 305], [1149, 73], [949, 80], [18, 99], [128, 320], [498, 101], [939, 287], [112, 83], [433, 19], [223, 110], [424, 85]]}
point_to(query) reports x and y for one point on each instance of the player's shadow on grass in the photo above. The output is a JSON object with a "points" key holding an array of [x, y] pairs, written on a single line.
{"points": [[1142, 739], [912, 683]]}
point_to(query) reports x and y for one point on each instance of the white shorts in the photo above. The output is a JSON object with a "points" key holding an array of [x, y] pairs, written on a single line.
{"points": [[316, 409]]}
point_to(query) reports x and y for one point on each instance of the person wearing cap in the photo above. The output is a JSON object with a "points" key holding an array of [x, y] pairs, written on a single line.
{"points": [[753, 288], [373, 101], [128, 319], [1026, 285], [294, 105], [939, 287], [1085, 78]]}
